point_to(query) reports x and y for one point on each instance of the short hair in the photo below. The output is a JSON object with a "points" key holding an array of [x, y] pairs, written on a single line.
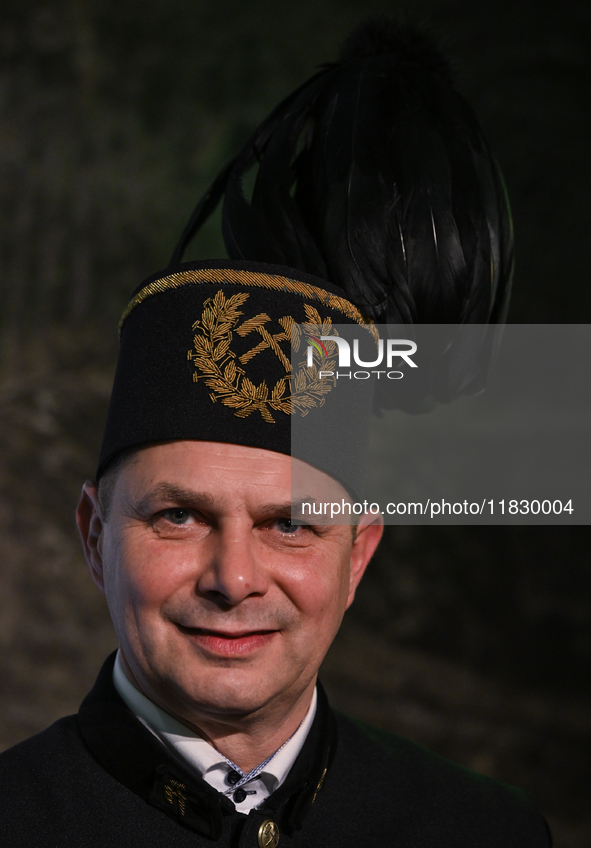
{"points": [[108, 479]]}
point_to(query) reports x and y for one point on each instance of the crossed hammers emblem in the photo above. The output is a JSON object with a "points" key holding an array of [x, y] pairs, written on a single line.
{"points": [[268, 340]]}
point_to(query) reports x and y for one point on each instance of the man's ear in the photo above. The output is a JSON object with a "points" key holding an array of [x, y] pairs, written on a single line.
{"points": [[89, 518], [368, 535]]}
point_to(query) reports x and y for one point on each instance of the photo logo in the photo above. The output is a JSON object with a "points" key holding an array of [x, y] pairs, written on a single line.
{"points": [[387, 353], [315, 343]]}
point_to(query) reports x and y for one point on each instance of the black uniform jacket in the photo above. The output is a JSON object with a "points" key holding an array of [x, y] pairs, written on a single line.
{"points": [[100, 779]]}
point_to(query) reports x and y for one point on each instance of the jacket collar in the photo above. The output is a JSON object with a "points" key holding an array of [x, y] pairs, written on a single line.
{"points": [[133, 755]]}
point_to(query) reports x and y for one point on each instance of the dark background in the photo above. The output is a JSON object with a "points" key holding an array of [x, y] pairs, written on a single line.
{"points": [[114, 117]]}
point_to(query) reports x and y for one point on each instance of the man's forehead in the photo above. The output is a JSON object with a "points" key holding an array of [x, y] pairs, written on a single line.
{"points": [[193, 453], [215, 470]]}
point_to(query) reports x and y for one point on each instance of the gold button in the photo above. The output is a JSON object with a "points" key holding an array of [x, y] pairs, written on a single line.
{"points": [[268, 834]]}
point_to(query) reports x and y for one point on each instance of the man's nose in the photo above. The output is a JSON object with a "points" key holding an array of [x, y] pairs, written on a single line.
{"points": [[233, 571]]}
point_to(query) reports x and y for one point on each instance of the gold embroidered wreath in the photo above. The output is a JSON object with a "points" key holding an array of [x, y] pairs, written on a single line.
{"points": [[223, 371]]}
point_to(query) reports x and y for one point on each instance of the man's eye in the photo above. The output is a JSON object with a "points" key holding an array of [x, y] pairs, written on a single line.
{"points": [[177, 516], [289, 525]]}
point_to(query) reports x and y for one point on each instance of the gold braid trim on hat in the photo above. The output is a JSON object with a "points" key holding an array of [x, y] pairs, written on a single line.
{"points": [[248, 278]]}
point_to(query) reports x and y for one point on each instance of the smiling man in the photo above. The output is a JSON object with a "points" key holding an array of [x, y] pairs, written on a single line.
{"points": [[223, 607], [376, 199]]}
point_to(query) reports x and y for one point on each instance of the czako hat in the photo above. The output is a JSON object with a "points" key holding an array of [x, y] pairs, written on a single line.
{"points": [[376, 200]]}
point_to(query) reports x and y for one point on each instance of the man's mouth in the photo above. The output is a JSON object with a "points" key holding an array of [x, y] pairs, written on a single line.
{"points": [[228, 642]]}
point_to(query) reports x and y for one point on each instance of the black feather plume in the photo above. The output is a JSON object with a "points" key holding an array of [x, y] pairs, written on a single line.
{"points": [[384, 35], [375, 175]]}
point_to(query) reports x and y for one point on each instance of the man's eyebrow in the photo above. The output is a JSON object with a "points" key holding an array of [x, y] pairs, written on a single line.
{"points": [[206, 501], [285, 508], [178, 495]]}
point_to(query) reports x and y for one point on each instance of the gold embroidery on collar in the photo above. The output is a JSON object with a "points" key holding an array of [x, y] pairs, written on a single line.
{"points": [[176, 789], [319, 787], [220, 368]]}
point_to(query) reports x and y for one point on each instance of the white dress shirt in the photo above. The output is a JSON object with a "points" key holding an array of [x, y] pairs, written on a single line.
{"points": [[245, 790]]}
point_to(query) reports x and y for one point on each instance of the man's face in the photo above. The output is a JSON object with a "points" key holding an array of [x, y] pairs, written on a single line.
{"points": [[222, 606]]}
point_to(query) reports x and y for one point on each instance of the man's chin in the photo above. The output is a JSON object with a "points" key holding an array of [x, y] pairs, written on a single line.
{"points": [[225, 694]]}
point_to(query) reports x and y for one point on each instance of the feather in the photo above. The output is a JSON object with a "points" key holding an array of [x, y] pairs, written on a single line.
{"points": [[375, 175]]}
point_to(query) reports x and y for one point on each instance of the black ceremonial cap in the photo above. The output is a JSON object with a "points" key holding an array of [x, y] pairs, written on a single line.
{"points": [[206, 353]]}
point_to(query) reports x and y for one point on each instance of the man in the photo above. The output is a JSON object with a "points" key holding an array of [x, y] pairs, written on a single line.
{"points": [[209, 726]]}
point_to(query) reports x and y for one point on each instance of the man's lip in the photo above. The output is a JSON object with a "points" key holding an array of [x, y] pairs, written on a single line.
{"points": [[228, 644], [223, 634]]}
